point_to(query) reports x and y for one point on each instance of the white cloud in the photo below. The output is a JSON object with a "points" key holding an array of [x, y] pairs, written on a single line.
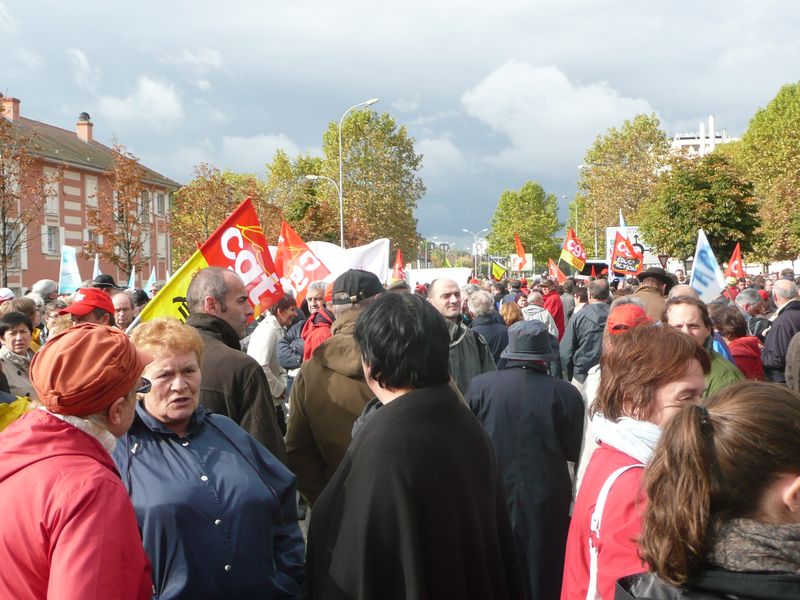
{"points": [[8, 24], [85, 75], [250, 154], [152, 100], [405, 105], [440, 157], [201, 59], [548, 119], [202, 84]]}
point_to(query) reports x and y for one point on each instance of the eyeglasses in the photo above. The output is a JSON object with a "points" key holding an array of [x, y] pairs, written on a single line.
{"points": [[144, 386]]}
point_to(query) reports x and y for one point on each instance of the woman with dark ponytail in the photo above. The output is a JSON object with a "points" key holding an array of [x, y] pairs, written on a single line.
{"points": [[723, 488]]}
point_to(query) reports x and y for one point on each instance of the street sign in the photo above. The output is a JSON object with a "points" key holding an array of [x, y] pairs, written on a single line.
{"points": [[663, 258]]}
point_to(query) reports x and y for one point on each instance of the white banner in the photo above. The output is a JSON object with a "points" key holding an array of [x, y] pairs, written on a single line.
{"points": [[372, 257], [69, 278], [707, 279]]}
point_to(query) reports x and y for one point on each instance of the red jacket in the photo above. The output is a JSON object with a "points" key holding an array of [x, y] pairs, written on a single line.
{"points": [[73, 534], [316, 330], [553, 304], [621, 525], [746, 352]]}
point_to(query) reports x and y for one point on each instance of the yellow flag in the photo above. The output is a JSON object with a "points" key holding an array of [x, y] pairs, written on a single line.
{"points": [[498, 271], [170, 301]]}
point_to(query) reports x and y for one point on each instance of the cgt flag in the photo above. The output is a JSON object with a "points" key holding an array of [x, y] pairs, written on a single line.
{"points": [[624, 259], [554, 272], [735, 268], [297, 265], [399, 271], [238, 244], [520, 252], [572, 251]]}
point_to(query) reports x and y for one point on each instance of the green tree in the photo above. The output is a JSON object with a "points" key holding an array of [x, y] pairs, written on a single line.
{"points": [[709, 192], [619, 172], [769, 153], [533, 214]]}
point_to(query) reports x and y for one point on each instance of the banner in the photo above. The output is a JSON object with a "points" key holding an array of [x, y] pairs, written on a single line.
{"points": [[151, 281], [69, 278], [554, 273], [238, 244], [296, 264], [96, 270], [132, 278], [707, 279], [399, 271], [572, 252], [735, 267], [520, 252], [498, 271], [624, 258]]}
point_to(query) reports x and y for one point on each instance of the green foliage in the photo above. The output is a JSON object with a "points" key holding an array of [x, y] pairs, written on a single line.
{"points": [[620, 171], [769, 153], [531, 213], [709, 192]]}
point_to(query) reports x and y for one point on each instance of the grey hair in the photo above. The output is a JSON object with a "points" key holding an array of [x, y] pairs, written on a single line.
{"points": [[628, 300], [535, 298], [481, 303], [747, 296], [206, 282], [44, 287], [470, 289], [317, 286], [785, 289]]}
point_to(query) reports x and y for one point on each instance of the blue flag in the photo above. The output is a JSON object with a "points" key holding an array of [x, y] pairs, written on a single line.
{"points": [[707, 279], [69, 278]]}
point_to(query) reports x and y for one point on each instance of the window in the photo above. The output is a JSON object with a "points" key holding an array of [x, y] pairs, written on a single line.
{"points": [[91, 236], [161, 245], [51, 239], [161, 203], [90, 184], [145, 207], [51, 199], [13, 244]]}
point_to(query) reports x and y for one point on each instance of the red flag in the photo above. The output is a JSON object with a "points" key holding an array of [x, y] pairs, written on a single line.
{"points": [[297, 265], [554, 272], [239, 243], [594, 273], [735, 268], [625, 260], [520, 252], [572, 252], [399, 271]]}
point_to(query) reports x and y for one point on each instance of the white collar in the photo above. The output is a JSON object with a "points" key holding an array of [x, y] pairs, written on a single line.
{"points": [[102, 435]]}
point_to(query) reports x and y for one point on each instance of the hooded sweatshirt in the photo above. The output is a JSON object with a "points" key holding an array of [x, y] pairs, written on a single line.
{"points": [[327, 397], [77, 535], [746, 352], [583, 340]]}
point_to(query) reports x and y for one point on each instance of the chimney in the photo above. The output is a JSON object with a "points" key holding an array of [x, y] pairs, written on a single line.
{"points": [[84, 127], [10, 108]]}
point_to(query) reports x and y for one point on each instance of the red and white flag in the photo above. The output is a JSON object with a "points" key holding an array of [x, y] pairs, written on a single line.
{"points": [[554, 272], [520, 252], [625, 260], [296, 264], [572, 251], [399, 271], [735, 267]]}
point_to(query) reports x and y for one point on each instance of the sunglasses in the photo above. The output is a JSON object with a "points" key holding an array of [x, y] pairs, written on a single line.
{"points": [[144, 386]]}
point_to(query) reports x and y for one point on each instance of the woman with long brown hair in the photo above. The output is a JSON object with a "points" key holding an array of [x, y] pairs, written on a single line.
{"points": [[723, 517], [645, 380]]}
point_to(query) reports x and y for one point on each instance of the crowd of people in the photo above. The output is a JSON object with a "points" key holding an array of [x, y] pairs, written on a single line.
{"points": [[521, 439]]}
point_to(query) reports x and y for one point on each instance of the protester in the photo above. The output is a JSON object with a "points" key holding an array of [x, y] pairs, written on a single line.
{"points": [[222, 503], [75, 534], [553, 304], [655, 285], [690, 315], [90, 305], [751, 304], [416, 508], [140, 299], [233, 384], [568, 299], [106, 284], [535, 311], [582, 342], [46, 288], [49, 316], [535, 423], [488, 323], [745, 349], [123, 309], [646, 377], [724, 500], [15, 354], [469, 354], [29, 308], [317, 327], [785, 324], [329, 392]]}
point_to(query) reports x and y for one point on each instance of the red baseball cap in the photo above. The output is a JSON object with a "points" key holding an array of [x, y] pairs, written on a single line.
{"points": [[625, 317], [85, 300]]}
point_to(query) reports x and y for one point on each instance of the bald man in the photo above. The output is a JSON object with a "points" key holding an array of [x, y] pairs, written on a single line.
{"points": [[785, 324], [469, 353]]}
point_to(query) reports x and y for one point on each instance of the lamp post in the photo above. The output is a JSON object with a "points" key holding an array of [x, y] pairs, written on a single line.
{"points": [[369, 102], [475, 248], [341, 206]]}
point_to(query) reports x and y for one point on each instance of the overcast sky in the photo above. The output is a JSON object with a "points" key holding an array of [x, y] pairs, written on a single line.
{"points": [[495, 93]]}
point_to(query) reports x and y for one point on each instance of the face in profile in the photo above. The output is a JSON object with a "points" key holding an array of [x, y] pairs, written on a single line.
{"points": [[672, 396]]}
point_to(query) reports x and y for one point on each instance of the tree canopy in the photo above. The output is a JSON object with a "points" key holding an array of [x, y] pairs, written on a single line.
{"points": [[708, 192], [533, 214], [769, 154]]}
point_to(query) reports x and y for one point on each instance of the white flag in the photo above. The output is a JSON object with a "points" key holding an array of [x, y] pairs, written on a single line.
{"points": [[69, 278], [132, 278], [96, 270], [707, 279]]}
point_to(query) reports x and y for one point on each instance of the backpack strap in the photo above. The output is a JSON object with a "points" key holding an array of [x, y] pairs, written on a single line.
{"points": [[481, 343], [594, 529]]}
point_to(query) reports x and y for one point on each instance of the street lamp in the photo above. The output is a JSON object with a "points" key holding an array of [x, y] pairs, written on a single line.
{"points": [[475, 248], [369, 102], [341, 206]]}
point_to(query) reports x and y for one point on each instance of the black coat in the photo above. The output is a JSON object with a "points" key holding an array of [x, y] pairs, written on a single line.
{"points": [[415, 510], [495, 331], [711, 584], [535, 422]]}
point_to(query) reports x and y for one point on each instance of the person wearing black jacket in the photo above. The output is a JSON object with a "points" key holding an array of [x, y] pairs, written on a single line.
{"points": [[488, 323], [583, 339]]}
